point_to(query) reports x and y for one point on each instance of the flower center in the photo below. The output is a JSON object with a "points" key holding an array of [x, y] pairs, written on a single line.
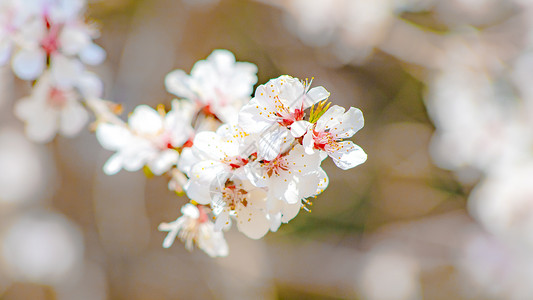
{"points": [[276, 166], [235, 162], [286, 116], [50, 43], [323, 140], [233, 196], [57, 98]]}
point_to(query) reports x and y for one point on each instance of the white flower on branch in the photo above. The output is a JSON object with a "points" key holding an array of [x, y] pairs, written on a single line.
{"points": [[193, 228], [41, 32], [328, 134], [275, 106], [218, 85], [53, 108], [150, 138]]}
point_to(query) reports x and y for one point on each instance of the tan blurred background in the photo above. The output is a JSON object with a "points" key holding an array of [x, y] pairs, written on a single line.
{"points": [[396, 227]]}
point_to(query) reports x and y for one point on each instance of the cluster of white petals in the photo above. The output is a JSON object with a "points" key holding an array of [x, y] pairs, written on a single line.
{"points": [[49, 42], [257, 169], [150, 138]]}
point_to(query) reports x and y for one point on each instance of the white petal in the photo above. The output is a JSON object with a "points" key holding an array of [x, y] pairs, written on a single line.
{"points": [[222, 220], [73, 118], [190, 210], [90, 85], [350, 155], [323, 181], [113, 165], [41, 122], [330, 118], [308, 143], [253, 117], [173, 230], [289, 211], [212, 242], [275, 221], [163, 162], [223, 59], [42, 129], [92, 54], [112, 137], [197, 191], [73, 39], [252, 219], [209, 145], [65, 71], [6, 47], [315, 95], [179, 83], [299, 128], [207, 180], [291, 194], [145, 120], [253, 223], [28, 64], [351, 122], [273, 141], [187, 160]]}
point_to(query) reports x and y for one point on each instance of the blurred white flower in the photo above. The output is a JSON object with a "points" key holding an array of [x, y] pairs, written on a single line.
{"points": [[353, 27], [150, 138], [54, 31], [42, 247], [491, 268], [194, 228], [18, 158], [218, 85], [503, 204], [50, 109], [396, 271]]}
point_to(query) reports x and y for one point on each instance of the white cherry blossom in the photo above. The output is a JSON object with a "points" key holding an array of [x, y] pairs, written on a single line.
{"points": [[328, 134], [150, 138], [50, 109], [246, 203], [290, 177], [219, 85], [275, 107], [39, 31], [194, 227], [218, 158]]}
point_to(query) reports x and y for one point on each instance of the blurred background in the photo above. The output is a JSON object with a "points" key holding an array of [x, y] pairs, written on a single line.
{"points": [[442, 209]]}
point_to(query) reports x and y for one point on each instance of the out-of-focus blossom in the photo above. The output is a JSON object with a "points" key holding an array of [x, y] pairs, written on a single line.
{"points": [[42, 247], [491, 268], [150, 138], [194, 227], [18, 158], [352, 27], [41, 32], [50, 109], [218, 85], [503, 203], [398, 272]]}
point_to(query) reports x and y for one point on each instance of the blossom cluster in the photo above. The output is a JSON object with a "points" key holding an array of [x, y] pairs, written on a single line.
{"points": [[50, 43], [252, 161]]}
